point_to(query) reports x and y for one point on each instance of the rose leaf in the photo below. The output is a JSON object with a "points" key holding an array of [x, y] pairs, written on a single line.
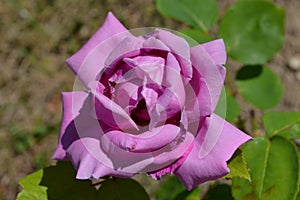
{"points": [[56, 182], [173, 189], [237, 166], [120, 188], [286, 124], [219, 191], [253, 30], [259, 86], [201, 14], [274, 169]]}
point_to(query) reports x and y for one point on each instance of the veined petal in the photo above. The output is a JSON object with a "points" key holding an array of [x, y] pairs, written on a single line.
{"points": [[180, 48], [171, 168], [216, 49], [166, 156], [87, 165], [71, 110], [199, 102], [148, 141], [153, 43], [126, 95], [111, 113], [207, 160], [89, 60], [130, 46], [213, 75], [147, 66]]}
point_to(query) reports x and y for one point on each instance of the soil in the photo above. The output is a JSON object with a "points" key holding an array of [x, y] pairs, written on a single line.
{"points": [[37, 37]]}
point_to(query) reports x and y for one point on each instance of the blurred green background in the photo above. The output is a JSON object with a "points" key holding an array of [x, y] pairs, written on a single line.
{"points": [[36, 38]]}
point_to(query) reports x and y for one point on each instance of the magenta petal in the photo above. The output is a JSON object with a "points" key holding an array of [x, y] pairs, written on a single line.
{"points": [[173, 78], [180, 48], [111, 113], [147, 66], [130, 46], [172, 101], [126, 95], [153, 43], [212, 74], [97, 49], [171, 168], [207, 160], [177, 149], [88, 166], [216, 49], [199, 101], [71, 110], [146, 142]]}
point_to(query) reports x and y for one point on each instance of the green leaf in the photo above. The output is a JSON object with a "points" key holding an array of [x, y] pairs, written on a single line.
{"points": [[237, 166], [286, 124], [274, 167], [219, 191], [56, 182], [174, 190], [253, 30], [59, 182], [125, 189], [259, 86], [197, 35], [201, 14], [233, 108]]}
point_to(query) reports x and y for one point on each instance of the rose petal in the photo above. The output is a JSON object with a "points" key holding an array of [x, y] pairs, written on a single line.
{"points": [[97, 49], [171, 153], [216, 49], [173, 98], [111, 113], [153, 43], [180, 48], [173, 79], [146, 142], [71, 110], [129, 47], [126, 95], [88, 166], [147, 66], [198, 98], [166, 107], [197, 169], [150, 96], [212, 74], [171, 168]]}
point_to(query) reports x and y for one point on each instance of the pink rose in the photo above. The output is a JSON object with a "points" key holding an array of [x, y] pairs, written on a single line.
{"points": [[148, 107]]}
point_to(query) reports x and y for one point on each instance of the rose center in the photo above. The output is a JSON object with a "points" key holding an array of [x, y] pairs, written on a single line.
{"points": [[140, 114]]}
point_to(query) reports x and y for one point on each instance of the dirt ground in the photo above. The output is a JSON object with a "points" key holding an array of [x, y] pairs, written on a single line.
{"points": [[37, 37]]}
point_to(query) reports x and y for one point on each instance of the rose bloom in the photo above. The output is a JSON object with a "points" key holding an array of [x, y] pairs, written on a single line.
{"points": [[148, 107]]}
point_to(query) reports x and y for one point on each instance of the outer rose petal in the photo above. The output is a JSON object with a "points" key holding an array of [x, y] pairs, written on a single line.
{"points": [[104, 43], [180, 48], [88, 166], [216, 49], [70, 111], [196, 170], [213, 75]]}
